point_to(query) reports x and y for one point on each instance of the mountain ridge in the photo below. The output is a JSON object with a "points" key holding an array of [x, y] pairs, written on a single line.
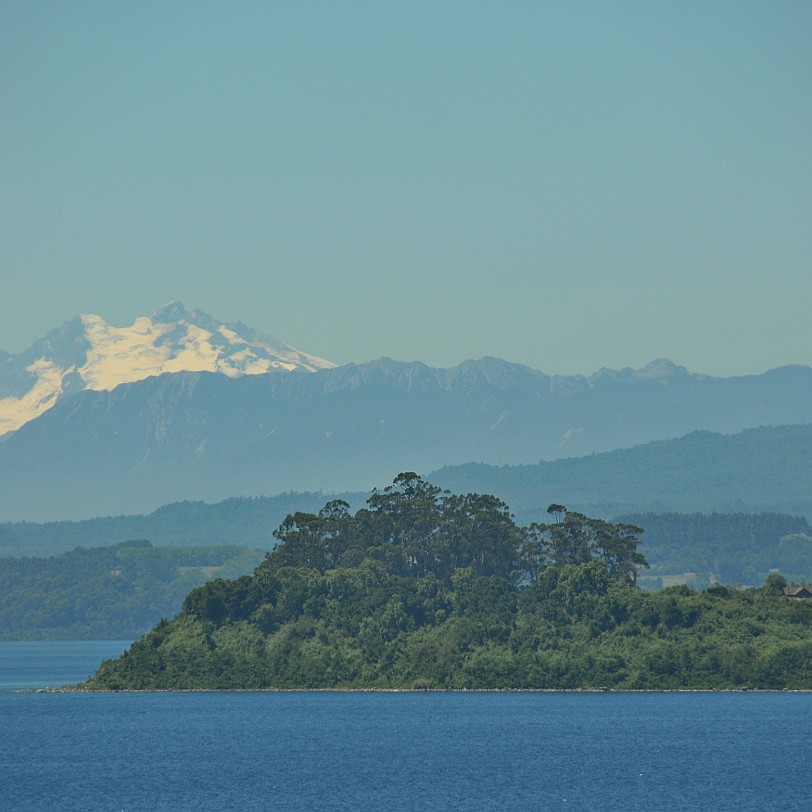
{"points": [[86, 353], [193, 436]]}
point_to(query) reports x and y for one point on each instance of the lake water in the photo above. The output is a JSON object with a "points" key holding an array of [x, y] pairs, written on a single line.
{"points": [[35, 664], [403, 751]]}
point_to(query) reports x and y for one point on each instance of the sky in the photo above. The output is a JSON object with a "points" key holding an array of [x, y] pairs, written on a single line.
{"points": [[567, 185]]}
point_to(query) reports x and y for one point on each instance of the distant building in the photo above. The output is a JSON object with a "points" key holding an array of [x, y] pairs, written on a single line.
{"points": [[802, 591]]}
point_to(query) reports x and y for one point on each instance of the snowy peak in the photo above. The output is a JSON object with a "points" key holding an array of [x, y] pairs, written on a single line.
{"points": [[89, 353], [174, 340]]}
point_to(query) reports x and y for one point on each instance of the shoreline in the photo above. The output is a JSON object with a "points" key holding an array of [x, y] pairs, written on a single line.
{"points": [[598, 690]]}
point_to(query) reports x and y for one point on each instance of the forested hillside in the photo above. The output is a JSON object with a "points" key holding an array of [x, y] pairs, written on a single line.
{"points": [[758, 470], [107, 593], [425, 589], [731, 548]]}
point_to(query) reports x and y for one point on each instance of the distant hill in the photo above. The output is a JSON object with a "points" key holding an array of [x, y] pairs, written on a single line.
{"points": [[757, 470], [729, 548], [108, 593], [246, 522], [205, 436]]}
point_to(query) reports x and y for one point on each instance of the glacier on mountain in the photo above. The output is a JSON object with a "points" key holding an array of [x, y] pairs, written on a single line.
{"points": [[89, 353]]}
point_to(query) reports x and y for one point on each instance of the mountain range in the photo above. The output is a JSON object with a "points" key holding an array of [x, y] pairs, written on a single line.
{"points": [[205, 411]]}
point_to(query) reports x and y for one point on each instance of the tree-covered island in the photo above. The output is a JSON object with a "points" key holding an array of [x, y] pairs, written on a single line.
{"points": [[427, 589]]}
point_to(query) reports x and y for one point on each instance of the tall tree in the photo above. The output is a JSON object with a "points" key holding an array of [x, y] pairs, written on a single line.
{"points": [[573, 538]]}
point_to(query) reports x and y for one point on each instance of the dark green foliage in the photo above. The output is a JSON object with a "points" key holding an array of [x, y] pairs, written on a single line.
{"points": [[411, 527], [576, 539], [734, 548], [422, 589], [115, 592]]}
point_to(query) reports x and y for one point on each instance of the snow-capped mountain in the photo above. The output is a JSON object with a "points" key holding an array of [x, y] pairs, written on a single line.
{"points": [[87, 353]]}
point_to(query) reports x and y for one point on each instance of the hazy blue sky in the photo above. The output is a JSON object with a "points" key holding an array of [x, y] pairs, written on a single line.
{"points": [[567, 185]]}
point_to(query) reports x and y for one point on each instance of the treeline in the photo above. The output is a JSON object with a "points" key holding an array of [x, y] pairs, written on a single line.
{"points": [[107, 593], [731, 548], [698, 548], [424, 589]]}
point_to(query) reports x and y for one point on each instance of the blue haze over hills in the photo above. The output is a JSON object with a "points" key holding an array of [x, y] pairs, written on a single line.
{"points": [[206, 436]]}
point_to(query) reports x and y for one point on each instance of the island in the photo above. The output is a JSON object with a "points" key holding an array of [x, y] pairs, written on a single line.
{"points": [[425, 589]]}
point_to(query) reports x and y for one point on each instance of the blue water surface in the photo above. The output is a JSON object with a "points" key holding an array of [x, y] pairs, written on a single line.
{"points": [[32, 664], [404, 751]]}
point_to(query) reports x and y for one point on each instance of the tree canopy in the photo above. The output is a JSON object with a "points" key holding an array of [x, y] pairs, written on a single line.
{"points": [[417, 529], [116, 592]]}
